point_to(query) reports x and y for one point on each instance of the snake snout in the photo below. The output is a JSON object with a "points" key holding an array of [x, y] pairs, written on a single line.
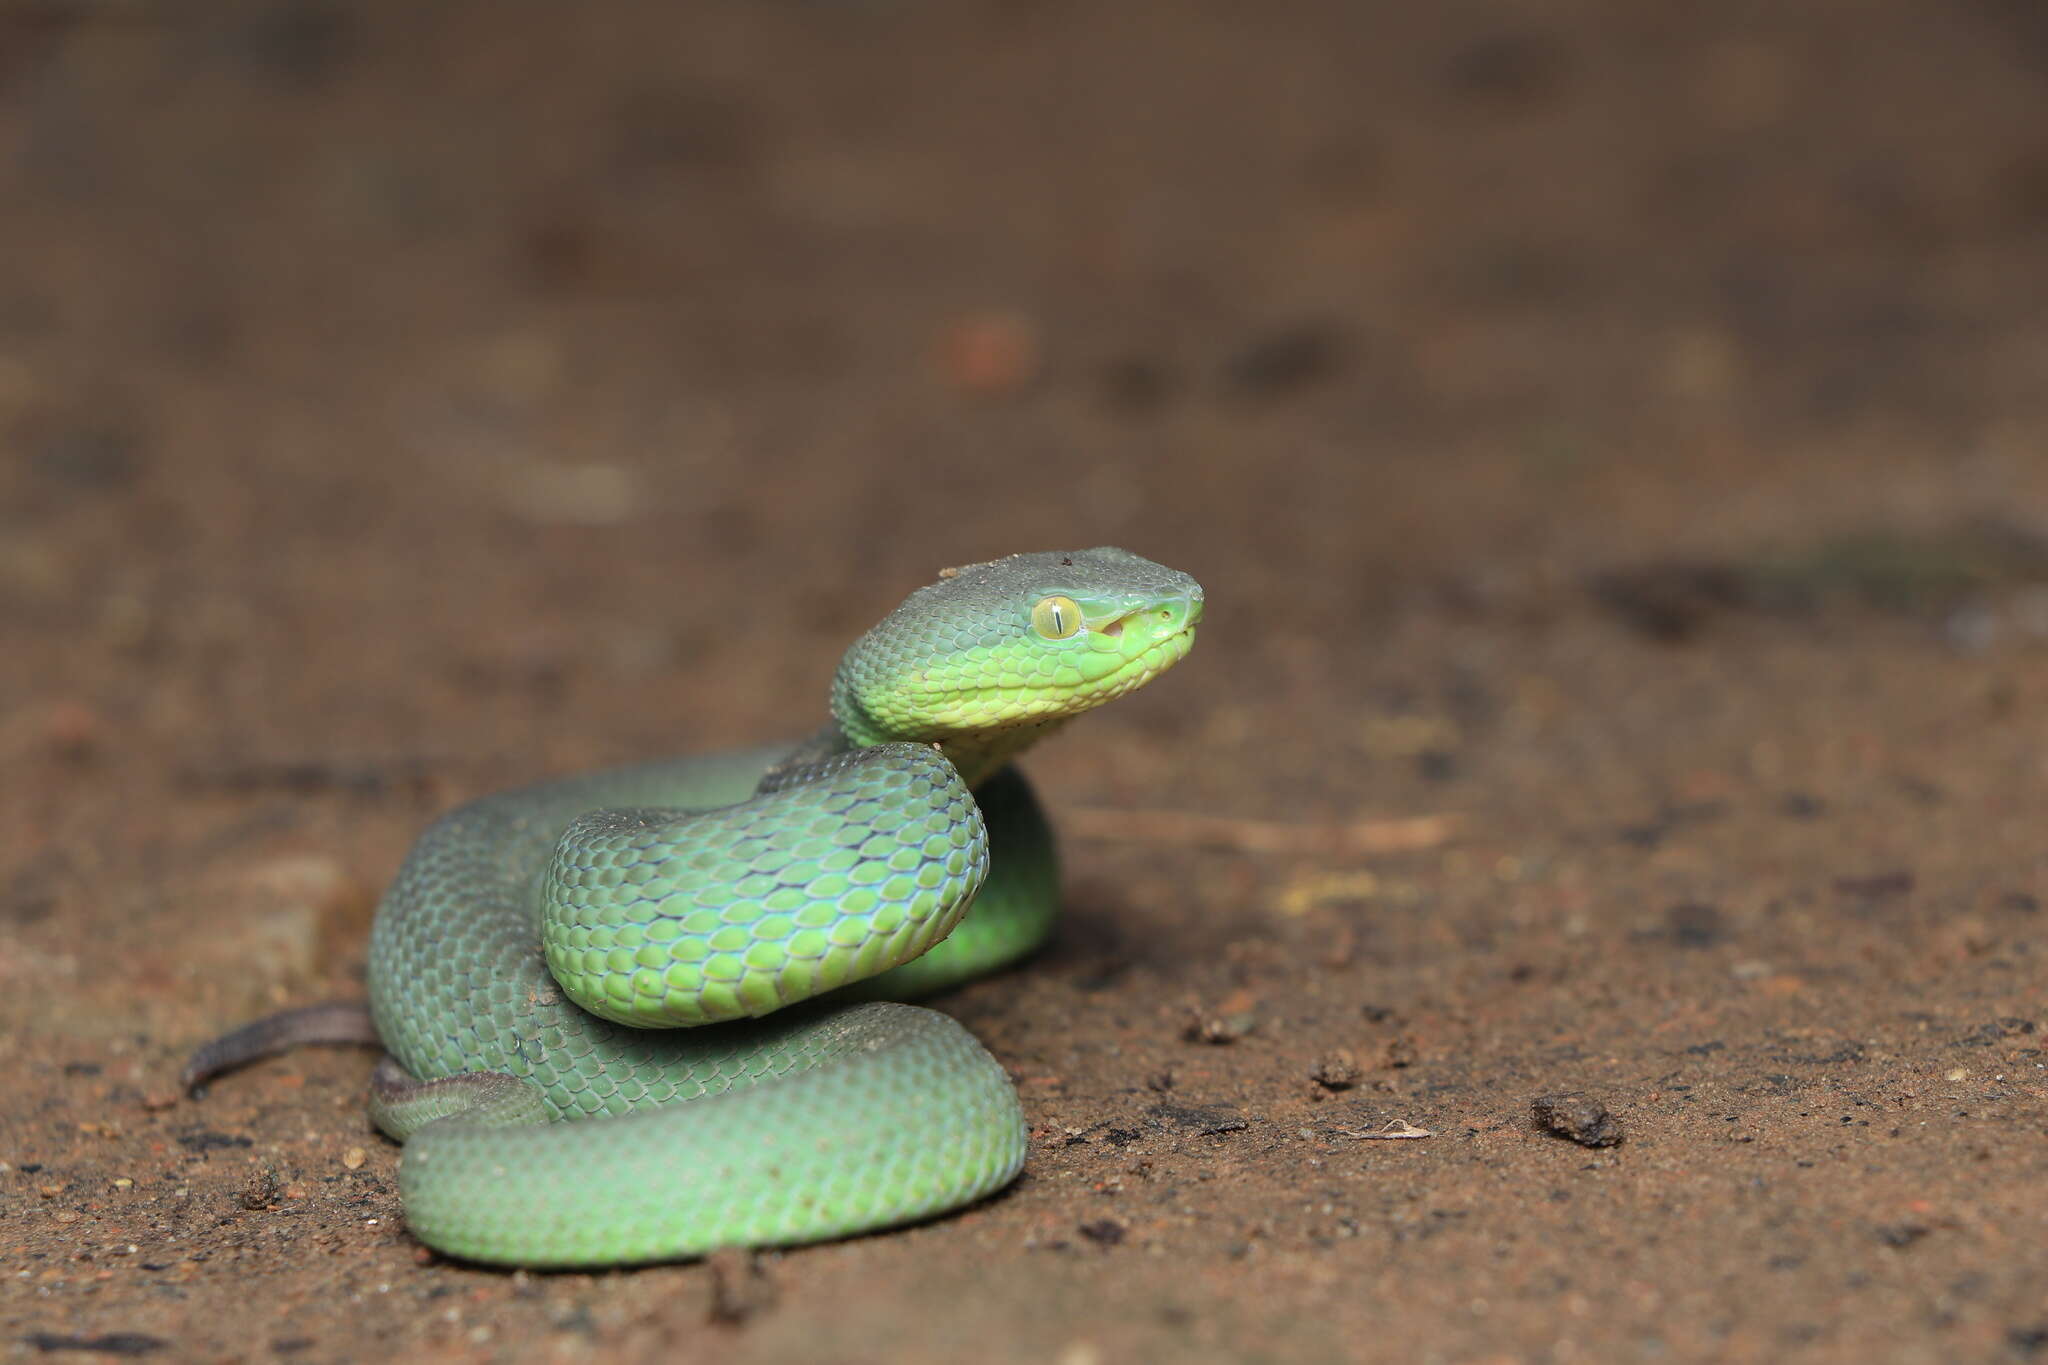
{"points": [[1161, 617]]}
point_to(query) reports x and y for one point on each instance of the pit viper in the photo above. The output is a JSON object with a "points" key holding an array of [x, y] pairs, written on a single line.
{"points": [[642, 1014]]}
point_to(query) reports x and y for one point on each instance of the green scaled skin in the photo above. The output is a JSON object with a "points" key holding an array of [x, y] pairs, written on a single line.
{"points": [[641, 948]]}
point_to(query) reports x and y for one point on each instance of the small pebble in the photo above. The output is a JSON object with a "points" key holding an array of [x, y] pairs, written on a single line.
{"points": [[1580, 1118], [1217, 1029], [1338, 1070], [260, 1189]]}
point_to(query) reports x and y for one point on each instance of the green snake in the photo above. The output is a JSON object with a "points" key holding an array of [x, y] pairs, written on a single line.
{"points": [[635, 949]]}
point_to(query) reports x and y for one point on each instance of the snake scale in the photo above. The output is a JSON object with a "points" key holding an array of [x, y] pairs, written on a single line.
{"points": [[692, 958]]}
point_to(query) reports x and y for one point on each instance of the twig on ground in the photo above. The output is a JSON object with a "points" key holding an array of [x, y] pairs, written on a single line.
{"points": [[1395, 1130]]}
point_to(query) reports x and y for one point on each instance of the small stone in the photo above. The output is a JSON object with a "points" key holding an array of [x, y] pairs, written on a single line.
{"points": [[354, 1158], [260, 1190], [1218, 1029], [1338, 1070], [1579, 1118]]}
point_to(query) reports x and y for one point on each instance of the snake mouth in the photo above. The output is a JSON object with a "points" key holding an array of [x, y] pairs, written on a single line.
{"points": [[1178, 615], [1162, 653]]}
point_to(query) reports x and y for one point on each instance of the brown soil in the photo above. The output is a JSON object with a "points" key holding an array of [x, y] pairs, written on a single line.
{"points": [[1612, 430]]}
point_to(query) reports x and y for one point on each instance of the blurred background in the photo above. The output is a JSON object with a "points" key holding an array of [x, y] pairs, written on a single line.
{"points": [[1615, 428]]}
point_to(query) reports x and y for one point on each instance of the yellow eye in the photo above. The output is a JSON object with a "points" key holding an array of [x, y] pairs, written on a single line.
{"points": [[1056, 618]]}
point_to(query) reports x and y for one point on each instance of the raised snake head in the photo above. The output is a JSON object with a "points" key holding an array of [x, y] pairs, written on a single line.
{"points": [[1025, 641]]}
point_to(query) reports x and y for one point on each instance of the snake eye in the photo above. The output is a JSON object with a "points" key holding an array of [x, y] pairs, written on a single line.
{"points": [[1057, 617]]}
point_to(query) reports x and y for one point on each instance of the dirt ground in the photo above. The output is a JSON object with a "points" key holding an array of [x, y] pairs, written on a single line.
{"points": [[1611, 436]]}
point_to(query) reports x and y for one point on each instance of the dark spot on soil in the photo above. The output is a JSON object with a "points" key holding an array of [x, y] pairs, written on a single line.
{"points": [[2029, 1340], [1579, 1118], [1200, 1119], [207, 1140], [1883, 886], [559, 250], [1800, 806], [1104, 1232], [1921, 790], [1136, 385], [2020, 901], [1847, 1052], [91, 455], [1436, 765], [1511, 69], [1998, 1030], [82, 1068], [665, 130], [301, 44], [31, 893], [1668, 601], [1902, 1234], [110, 1343], [1284, 361], [1695, 925], [740, 1285], [1653, 832]]}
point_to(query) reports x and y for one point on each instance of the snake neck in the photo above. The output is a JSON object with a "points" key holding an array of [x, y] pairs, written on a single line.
{"points": [[977, 754]]}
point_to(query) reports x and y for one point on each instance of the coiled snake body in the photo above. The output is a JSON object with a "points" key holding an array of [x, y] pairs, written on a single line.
{"points": [[635, 948]]}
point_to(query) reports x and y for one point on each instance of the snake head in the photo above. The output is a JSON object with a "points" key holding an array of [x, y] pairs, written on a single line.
{"points": [[1016, 642]]}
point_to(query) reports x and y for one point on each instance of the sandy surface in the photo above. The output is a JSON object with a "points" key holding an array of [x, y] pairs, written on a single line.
{"points": [[1611, 436]]}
